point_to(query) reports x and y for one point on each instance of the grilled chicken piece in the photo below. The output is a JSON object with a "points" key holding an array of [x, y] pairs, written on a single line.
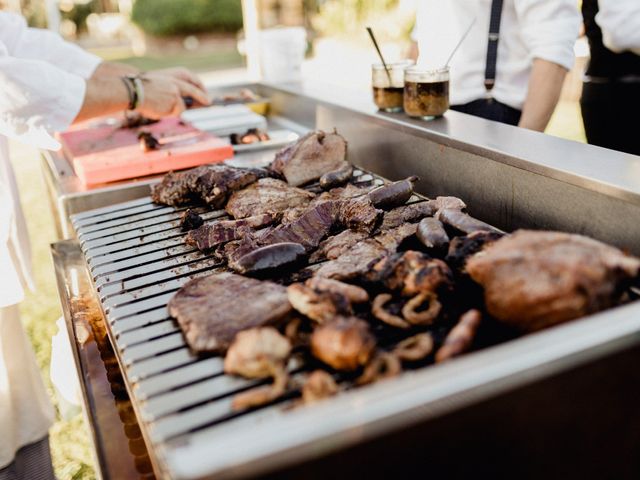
{"points": [[460, 337], [407, 214], [320, 306], [462, 248], [267, 195], [211, 310], [212, 234], [463, 221], [257, 353], [310, 157], [359, 259], [536, 279], [318, 386], [412, 273], [344, 343], [432, 234]]}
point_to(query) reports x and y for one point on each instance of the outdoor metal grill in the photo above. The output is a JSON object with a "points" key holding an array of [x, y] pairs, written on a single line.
{"points": [[134, 260]]}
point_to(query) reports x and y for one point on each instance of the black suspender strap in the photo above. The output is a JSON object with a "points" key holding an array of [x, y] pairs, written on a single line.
{"points": [[492, 47]]}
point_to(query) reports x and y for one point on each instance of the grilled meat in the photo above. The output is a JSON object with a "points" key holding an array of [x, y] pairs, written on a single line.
{"points": [[190, 220], [257, 353], [380, 311], [461, 248], [148, 142], [383, 365], [359, 259], [344, 343], [460, 338], [359, 214], [412, 273], [535, 279], [463, 221], [310, 157], [352, 293], [415, 312], [414, 348], [394, 194], [448, 203], [268, 257], [267, 195], [336, 177], [408, 213], [336, 245], [321, 306], [318, 385], [211, 310], [432, 234], [210, 184], [212, 234]]}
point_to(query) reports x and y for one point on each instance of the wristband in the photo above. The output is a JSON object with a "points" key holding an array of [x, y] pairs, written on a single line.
{"points": [[139, 89], [131, 92]]}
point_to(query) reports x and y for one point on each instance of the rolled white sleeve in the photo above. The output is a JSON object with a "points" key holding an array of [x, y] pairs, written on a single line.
{"points": [[619, 21], [37, 44], [550, 29], [36, 99]]}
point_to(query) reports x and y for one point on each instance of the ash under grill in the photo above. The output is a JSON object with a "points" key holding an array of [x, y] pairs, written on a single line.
{"points": [[137, 260]]}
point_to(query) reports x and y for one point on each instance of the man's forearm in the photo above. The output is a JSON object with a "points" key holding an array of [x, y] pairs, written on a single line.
{"points": [[545, 85], [114, 69], [105, 94]]}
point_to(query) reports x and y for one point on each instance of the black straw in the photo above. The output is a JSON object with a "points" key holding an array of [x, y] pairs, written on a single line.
{"points": [[384, 64]]}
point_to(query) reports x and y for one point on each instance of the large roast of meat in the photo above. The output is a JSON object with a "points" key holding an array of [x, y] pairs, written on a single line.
{"points": [[353, 268]]}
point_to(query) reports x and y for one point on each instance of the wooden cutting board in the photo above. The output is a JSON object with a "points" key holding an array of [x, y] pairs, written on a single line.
{"points": [[107, 153]]}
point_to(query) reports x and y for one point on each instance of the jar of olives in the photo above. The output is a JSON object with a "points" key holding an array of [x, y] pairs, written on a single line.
{"points": [[388, 88], [426, 92]]}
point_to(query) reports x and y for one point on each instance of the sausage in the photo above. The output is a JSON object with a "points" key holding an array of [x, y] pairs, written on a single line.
{"points": [[270, 256], [394, 194], [463, 221], [432, 234], [460, 337], [336, 178]]}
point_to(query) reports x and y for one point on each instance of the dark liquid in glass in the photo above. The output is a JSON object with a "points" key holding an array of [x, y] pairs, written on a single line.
{"points": [[428, 99], [388, 98]]}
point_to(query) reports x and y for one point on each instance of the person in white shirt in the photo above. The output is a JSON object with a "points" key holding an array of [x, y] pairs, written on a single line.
{"points": [[521, 83], [611, 87], [46, 84]]}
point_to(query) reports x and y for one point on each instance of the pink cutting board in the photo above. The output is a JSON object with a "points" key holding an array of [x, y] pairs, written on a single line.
{"points": [[106, 154]]}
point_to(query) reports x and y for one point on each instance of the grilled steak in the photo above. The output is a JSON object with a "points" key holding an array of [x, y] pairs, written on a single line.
{"points": [[212, 234], [533, 280], [310, 157], [267, 195], [408, 213], [359, 214], [360, 258], [334, 246], [212, 310], [210, 184]]}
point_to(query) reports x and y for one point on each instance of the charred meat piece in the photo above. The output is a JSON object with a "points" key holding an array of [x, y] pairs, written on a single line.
{"points": [[177, 188], [252, 135], [359, 214], [267, 195], [394, 194], [461, 248], [219, 181], [360, 258], [432, 234], [383, 365], [310, 157], [190, 220], [407, 214], [268, 257], [460, 338], [352, 293], [463, 221], [321, 306], [212, 234], [211, 310], [336, 177], [135, 120], [148, 142], [309, 229], [336, 245], [536, 279], [344, 343], [318, 386], [412, 273]]}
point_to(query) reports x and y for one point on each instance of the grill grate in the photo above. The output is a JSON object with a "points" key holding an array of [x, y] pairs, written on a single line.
{"points": [[137, 261]]}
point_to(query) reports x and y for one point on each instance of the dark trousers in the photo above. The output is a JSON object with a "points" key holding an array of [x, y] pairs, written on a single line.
{"points": [[610, 115], [491, 110]]}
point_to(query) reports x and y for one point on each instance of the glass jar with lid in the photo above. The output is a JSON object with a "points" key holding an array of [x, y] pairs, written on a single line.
{"points": [[426, 92], [388, 88]]}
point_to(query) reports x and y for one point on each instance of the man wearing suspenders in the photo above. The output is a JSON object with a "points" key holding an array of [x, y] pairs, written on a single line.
{"points": [[512, 65]]}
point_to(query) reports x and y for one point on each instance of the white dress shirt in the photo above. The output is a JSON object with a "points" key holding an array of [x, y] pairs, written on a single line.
{"points": [[42, 87], [619, 21], [545, 29]]}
